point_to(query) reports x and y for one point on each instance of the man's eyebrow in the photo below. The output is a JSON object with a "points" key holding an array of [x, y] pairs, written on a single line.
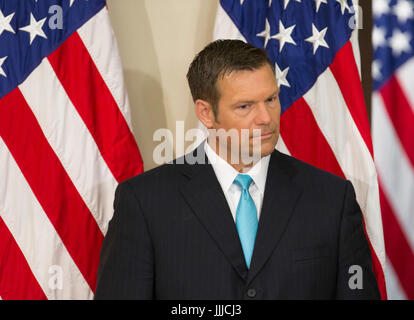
{"points": [[276, 92], [243, 102]]}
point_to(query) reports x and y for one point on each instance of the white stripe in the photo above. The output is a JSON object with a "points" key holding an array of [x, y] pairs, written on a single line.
{"points": [[100, 41], [405, 77], [35, 234], [71, 140], [394, 168], [224, 28], [354, 36], [394, 290], [350, 151], [355, 49]]}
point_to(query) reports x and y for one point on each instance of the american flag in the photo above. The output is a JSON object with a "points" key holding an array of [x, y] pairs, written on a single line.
{"points": [[393, 137], [65, 144], [314, 46]]}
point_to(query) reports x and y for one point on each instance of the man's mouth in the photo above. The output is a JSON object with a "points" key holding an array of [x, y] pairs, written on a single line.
{"points": [[263, 135]]}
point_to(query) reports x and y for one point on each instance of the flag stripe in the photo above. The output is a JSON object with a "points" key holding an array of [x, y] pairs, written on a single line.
{"points": [[301, 119], [394, 167], [35, 234], [96, 106], [78, 152], [398, 249], [17, 281], [345, 71], [377, 266], [402, 117], [49, 182], [405, 79], [393, 138], [339, 129], [304, 139], [357, 53], [349, 148], [281, 146], [225, 28], [99, 39], [394, 289]]}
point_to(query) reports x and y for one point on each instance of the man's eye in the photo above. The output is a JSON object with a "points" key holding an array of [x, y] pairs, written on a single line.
{"points": [[244, 107], [272, 99]]}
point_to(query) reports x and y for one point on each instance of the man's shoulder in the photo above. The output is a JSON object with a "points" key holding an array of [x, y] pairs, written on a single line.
{"points": [[306, 173], [161, 173], [170, 171]]}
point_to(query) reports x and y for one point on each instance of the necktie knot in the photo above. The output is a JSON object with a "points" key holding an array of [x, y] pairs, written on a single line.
{"points": [[243, 181]]}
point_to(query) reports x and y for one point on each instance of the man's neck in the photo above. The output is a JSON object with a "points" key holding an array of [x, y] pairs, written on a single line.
{"points": [[226, 154]]}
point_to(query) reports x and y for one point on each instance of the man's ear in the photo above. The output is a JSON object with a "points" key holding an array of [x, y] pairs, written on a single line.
{"points": [[204, 112]]}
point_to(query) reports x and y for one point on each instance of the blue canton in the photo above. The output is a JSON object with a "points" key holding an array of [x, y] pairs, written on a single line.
{"points": [[26, 37]]}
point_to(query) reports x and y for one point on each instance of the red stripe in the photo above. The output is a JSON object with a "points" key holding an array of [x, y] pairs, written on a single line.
{"points": [[304, 139], [400, 113], [95, 104], [17, 282], [397, 247], [50, 183], [345, 71], [346, 74]]}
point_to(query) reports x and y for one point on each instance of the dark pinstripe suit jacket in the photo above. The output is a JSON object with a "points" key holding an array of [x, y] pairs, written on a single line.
{"points": [[173, 237]]}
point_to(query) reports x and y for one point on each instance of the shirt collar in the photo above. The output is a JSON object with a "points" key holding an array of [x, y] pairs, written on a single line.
{"points": [[226, 174]]}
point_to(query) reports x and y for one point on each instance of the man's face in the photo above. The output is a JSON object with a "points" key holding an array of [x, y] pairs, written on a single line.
{"points": [[249, 100]]}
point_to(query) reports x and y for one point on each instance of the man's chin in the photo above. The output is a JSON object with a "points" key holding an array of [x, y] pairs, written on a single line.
{"points": [[267, 151], [267, 147], [264, 151]]}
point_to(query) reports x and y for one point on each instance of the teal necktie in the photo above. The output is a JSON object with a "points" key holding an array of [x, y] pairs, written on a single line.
{"points": [[246, 217]]}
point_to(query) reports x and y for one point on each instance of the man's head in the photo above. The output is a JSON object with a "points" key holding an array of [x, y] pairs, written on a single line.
{"points": [[233, 86]]}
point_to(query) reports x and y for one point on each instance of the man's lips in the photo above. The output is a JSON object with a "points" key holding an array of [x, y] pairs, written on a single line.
{"points": [[267, 135], [263, 135]]}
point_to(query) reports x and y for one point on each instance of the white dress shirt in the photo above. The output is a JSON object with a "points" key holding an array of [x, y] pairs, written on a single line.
{"points": [[226, 174]]}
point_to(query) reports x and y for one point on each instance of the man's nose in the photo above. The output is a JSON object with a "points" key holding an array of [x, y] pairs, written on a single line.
{"points": [[263, 115]]}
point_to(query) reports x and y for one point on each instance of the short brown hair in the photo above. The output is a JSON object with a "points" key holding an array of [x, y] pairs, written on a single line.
{"points": [[220, 58]]}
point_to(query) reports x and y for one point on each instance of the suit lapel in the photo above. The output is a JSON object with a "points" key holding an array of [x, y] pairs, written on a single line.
{"points": [[280, 198], [204, 195]]}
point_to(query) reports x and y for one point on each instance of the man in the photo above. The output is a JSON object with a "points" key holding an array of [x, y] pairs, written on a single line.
{"points": [[270, 228]]}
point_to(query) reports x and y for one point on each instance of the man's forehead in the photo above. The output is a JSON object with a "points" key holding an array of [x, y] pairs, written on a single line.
{"points": [[246, 80], [238, 72]]}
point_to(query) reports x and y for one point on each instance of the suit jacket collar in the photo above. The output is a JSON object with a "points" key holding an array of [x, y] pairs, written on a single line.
{"points": [[204, 195], [279, 202]]}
